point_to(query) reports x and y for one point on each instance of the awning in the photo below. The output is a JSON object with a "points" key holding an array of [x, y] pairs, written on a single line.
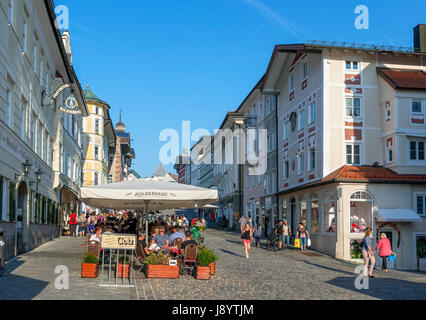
{"points": [[397, 215]]}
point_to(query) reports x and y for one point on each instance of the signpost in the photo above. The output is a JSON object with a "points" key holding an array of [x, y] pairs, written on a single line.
{"points": [[118, 251]]}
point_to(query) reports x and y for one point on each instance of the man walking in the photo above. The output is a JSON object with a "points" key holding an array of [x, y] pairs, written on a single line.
{"points": [[279, 233], [286, 234], [73, 224]]}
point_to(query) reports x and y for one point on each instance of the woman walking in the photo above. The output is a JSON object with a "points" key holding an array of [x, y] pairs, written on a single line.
{"points": [[257, 233], [303, 235], [247, 235], [367, 253], [82, 225], [385, 248]]}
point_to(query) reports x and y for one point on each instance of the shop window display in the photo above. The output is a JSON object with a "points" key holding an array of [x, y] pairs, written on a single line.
{"points": [[303, 218], [360, 212], [421, 246], [356, 249], [329, 214]]}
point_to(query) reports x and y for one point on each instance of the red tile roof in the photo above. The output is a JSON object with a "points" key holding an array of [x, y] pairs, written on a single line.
{"points": [[403, 79], [372, 174]]}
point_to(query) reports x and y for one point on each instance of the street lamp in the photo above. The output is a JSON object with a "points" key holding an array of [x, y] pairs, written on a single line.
{"points": [[25, 169], [38, 174]]}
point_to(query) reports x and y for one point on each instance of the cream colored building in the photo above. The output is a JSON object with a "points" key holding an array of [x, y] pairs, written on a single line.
{"points": [[98, 141], [33, 65], [351, 135]]}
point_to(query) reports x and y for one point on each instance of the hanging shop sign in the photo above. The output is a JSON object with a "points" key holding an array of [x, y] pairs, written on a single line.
{"points": [[70, 103]]}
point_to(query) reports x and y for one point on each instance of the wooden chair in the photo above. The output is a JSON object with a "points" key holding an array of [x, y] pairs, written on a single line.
{"points": [[93, 247], [177, 243], [190, 257]]}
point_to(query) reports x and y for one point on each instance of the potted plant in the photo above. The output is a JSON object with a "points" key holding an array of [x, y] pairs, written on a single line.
{"points": [[204, 259], [212, 265], [90, 266], [122, 266], [158, 267]]}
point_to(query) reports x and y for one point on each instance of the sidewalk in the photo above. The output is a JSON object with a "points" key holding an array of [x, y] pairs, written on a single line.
{"points": [[31, 276]]}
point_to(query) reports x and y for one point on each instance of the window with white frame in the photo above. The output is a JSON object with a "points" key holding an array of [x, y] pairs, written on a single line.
{"points": [[96, 152], [417, 150], [352, 65], [389, 155], [330, 214], [353, 154], [9, 107], [304, 70], [32, 134], [301, 163], [292, 80], [353, 107], [420, 204], [302, 119], [39, 138], [41, 73], [24, 35], [286, 170], [315, 227], [417, 107], [311, 159], [96, 182], [23, 119], [10, 11], [97, 126], [35, 57], [45, 135], [312, 112], [286, 130]]}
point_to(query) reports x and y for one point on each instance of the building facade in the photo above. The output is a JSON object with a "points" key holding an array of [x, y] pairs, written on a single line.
{"points": [[33, 65]]}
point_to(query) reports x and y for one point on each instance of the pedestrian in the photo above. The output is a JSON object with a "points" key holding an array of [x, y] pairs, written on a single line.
{"points": [[73, 224], [242, 222], [367, 253], [385, 250], [91, 228], [279, 233], [286, 234], [250, 221], [247, 235], [257, 233], [303, 235], [266, 227], [82, 225]]}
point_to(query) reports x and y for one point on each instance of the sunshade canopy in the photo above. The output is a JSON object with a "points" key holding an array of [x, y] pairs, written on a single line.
{"points": [[397, 215], [152, 194]]}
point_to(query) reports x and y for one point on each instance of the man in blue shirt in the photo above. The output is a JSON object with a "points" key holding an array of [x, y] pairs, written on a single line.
{"points": [[176, 233], [162, 239]]}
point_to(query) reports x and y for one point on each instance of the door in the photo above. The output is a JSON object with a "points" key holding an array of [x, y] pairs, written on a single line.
{"points": [[292, 214], [390, 234]]}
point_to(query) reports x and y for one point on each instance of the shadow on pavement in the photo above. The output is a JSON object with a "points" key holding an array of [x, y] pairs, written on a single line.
{"points": [[384, 288], [232, 253], [330, 269], [14, 287]]}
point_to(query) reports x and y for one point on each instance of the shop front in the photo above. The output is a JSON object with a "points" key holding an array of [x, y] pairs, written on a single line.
{"points": [[69, 203]]}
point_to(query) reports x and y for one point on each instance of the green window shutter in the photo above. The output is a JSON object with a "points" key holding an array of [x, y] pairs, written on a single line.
{"points": [[12, 202]]}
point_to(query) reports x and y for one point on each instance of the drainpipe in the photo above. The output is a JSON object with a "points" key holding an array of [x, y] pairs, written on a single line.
{"points": [[277, 154]]}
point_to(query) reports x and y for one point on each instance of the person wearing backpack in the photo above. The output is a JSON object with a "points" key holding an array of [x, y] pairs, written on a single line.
{"points": [[73, 224]]}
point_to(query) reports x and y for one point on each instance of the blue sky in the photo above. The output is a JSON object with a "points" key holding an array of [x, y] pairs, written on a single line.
{"points": [[164, 62]]}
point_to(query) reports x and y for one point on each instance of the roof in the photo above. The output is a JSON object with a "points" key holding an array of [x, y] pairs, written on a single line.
{"points": [[90, 96], [137, 175], [160, 172], [372, 174], [403, 78]]}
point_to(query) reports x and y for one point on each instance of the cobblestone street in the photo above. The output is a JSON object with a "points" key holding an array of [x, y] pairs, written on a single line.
{"points": [[280, 275]]}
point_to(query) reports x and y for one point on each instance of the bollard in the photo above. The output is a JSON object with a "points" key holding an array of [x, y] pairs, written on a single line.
{"points": [[2, 252]]}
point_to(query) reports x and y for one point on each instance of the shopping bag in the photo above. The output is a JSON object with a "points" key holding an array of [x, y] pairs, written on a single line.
{"points": [[297, 243], [309, 242], [392, 257]]}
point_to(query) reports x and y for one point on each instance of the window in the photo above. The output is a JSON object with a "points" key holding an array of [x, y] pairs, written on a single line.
{"points": [[312, 159], [329, 213], [416, 107], [353, 154], [301, 117], [417, 150], [301, 163], [96, 153], [312, 112], [11, 11], [39, 136], [421, 204], [35, 57], [360, 211], [353, 107], [286, 130], [292, 78], [286, 170], [96, 182], [41, 73], [23, 120], [24, 36], [389, 155], [304, 70], [352, 65], [45, 134], [314, 214], [32, 134], [97, 126], [421, 246], [9, 108], [303, 211]]}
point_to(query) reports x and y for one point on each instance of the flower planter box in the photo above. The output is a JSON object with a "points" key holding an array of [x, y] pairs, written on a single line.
{"points": [[162, 271], [203, 273], [212, 267], [89, 270], [122, 270]]}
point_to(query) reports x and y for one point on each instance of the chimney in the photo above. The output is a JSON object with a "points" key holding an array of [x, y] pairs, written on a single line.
{"points": [[420, 38], [67, 44]]}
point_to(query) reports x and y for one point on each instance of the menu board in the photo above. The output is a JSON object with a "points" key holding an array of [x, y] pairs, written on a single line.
{"points": [[118, 241]]}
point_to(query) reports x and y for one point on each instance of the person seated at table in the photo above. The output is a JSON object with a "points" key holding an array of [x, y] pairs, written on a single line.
{"points": [[142, 242], [162, 239], [97, 236], [187, 241], [176, 233]]}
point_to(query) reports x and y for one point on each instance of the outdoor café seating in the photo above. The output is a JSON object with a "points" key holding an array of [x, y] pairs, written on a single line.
{"points": [[189, 258]]}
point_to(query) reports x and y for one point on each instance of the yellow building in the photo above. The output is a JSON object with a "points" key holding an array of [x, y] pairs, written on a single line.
{"points": [[98, 141]]}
